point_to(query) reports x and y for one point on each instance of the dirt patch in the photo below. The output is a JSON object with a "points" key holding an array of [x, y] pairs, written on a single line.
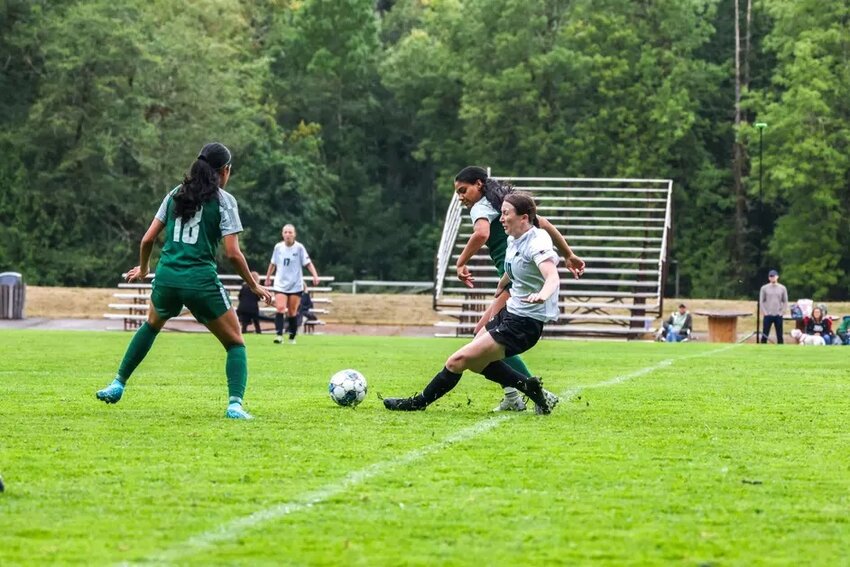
{"points": [[68, 302], [348, 309]]}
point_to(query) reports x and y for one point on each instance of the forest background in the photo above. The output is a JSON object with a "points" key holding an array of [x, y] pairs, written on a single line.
{"points": [[349, 119]]}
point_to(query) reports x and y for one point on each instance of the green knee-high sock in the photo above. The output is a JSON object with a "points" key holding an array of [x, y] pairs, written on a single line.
{"points": [[517, 364], [236, 369], [137, 350]]}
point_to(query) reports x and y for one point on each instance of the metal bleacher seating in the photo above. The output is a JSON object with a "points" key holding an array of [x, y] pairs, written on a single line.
{"points": [[620, 227], [134, 303]]}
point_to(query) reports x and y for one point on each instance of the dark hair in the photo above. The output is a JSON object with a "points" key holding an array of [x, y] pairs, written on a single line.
{"points": [[494, 191], [202, 182], [524, 205], [683, 305]]}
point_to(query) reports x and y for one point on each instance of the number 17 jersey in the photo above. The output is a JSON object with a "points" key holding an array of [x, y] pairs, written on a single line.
{"points": [[188, 256]]}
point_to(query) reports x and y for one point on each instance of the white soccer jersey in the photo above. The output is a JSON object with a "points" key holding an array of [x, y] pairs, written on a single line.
{"points": [[483, 210], [522, 259], [289, 264]]}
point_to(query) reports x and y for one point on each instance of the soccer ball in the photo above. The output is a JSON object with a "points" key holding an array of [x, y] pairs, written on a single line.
{"points": [[347, 387]]}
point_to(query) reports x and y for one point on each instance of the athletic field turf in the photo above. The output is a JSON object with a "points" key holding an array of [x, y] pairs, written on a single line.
{"points": [[691, 454]]}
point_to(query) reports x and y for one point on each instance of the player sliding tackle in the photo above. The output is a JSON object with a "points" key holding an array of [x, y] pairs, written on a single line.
{"points": [[531, 269], [483, 195]]}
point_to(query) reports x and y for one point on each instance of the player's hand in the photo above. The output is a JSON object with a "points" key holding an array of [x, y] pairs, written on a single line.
{"points": [[263, 294], [136, 274], [465, 276], [576, 265], [534, 298], [315, 281]]}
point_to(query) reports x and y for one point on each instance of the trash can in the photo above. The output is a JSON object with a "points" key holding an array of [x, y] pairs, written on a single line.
{"points": [[12, 295]]}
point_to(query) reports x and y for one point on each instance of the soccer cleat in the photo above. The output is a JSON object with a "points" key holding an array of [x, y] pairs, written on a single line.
{"points": [[112, 393], [551, 401], [538, 395], [279, 339], [292, 341], [508, 404], [414, 403], [236, 411]]}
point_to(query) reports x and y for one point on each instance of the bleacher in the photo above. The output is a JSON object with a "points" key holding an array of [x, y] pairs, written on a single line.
{"points": [[620, 227], [134, 301]]}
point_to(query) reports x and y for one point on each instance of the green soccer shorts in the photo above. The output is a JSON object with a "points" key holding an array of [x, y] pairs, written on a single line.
{"points": [[205, 304]]}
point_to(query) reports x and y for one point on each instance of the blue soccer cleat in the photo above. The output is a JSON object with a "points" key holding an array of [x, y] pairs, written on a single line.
{"points": [[112, 393], [236, 411]]}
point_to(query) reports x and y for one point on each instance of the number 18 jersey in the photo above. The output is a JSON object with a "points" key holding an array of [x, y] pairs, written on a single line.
{"points": [[188, 256]]}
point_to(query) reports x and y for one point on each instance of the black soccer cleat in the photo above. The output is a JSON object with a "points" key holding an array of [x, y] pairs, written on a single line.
{"points": [[414, 403], [545, 403]]}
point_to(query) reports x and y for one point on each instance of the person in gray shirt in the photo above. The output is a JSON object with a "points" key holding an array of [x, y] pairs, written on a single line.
{"points": [[773, 299]]}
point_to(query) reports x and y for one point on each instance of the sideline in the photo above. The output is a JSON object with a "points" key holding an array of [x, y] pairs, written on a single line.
{"points": [[234, 528]]}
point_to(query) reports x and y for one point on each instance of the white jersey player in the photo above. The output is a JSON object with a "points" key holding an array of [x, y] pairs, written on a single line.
{"points": [[287, 265]]}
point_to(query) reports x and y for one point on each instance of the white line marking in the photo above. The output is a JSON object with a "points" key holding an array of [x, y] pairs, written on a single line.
{"points": [[231, 530]]}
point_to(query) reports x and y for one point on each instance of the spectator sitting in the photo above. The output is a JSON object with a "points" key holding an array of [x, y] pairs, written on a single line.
{"points": [[819, 326], [678, 327], [305, 312], [844, 330], [248, 309]]}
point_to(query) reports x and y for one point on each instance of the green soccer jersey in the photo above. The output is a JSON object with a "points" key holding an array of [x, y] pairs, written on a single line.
{"points": [[188, 256], [497, 243]]}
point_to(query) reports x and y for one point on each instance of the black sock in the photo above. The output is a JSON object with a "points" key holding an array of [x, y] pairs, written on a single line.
{"points": [[440, 385], [293, 326], [278, 323], [503, 374]]}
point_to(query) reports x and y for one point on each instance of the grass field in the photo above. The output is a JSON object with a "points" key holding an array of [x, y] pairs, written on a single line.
{"points": [[693, 454]]}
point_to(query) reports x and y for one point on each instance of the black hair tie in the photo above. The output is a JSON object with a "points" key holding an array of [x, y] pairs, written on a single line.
{"points": [[202, 157]]}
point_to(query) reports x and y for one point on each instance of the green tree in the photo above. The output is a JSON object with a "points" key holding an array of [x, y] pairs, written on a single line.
{"points": [[807, 166]]}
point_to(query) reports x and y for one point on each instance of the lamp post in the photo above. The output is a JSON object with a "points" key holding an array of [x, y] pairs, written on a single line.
{"points": [[761, 126]]}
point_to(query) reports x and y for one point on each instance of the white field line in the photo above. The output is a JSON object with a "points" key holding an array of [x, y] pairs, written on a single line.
{"points": [[234, 528]]}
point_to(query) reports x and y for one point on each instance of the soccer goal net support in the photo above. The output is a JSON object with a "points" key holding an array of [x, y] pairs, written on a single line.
{"points": [[620, 227]]}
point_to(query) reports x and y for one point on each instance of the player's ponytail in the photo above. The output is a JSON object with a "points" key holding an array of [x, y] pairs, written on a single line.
{"points": [[494, 191], [202, 182]]}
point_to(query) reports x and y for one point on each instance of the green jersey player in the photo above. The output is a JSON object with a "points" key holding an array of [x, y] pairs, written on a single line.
{"points": [[483, 196], [195, 217]]}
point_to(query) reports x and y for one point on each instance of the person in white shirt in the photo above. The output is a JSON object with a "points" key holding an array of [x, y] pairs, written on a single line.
{"points": [[531, 269], [287, 265]]}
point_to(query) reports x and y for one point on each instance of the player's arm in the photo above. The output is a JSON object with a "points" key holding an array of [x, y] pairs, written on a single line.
{"points": [[312, 269], [574, 264], [551, 284], [480, 234], [269, 273], [145, 249], [237, 260]]}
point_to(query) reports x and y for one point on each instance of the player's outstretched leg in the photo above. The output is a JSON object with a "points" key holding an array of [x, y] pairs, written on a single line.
{"points": [[439, 386], [136, 351]]}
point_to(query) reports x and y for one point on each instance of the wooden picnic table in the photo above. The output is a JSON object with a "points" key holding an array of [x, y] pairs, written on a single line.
{"points": [[723, 325]]}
